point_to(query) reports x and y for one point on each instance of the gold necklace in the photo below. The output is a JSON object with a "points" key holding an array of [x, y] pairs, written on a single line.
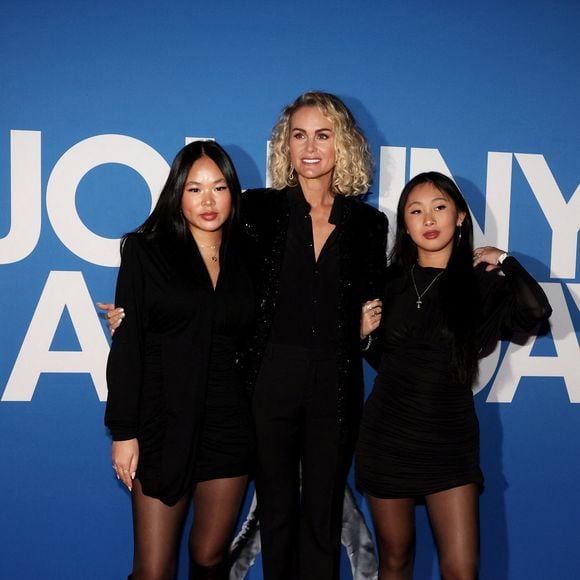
{"points": [[213, 258], [419, 296]]}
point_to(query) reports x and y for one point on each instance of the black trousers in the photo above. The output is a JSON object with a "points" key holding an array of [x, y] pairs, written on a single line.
{"points": [[302, 464]]}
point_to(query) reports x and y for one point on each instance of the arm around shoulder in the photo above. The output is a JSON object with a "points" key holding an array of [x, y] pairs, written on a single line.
{"points": [[529, 301]]}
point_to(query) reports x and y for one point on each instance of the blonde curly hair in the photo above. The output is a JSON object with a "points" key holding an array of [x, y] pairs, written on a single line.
{"points": [[352, 173]]}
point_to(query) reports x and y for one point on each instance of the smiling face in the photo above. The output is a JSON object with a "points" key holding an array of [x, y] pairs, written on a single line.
{"points": [[312, 148], [206, 202], [431, 218]]}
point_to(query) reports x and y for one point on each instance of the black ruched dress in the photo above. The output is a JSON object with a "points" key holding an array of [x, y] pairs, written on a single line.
{"points": [[226, 441], [419, 432]]}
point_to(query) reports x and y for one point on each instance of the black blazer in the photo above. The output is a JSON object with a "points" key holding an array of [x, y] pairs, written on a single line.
{"points": [[157, 366], [264, 214]]}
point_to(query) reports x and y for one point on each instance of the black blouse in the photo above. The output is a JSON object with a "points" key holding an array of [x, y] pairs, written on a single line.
{"points": [[308, 302], [510, 300]]}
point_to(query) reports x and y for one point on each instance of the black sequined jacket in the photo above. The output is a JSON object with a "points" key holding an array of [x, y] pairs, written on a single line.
{"points": [[264, 215]]}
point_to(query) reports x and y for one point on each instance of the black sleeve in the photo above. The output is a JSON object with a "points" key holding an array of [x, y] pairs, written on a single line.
{"points": [[531, 304], [514, 302], [125, 362], [374, 257], [371, 348], [254, 210], [375, 263]]}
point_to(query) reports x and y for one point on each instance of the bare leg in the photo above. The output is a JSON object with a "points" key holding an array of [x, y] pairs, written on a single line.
{"points": [[217, 504], [454, 516], [394, 521], [157, 530]]}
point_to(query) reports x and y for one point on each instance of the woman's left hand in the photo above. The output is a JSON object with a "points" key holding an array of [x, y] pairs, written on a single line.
{"points": [[487, 255], [370, 317]]}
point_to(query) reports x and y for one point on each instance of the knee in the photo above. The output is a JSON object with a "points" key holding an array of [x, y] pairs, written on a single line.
{"points": [[396, 556], [153, 571], [207, 556], [396, 563], [464, 569]]}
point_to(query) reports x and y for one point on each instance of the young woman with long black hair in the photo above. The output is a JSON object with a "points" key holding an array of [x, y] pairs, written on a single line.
{"points": [[176, 410], [419, 436]]}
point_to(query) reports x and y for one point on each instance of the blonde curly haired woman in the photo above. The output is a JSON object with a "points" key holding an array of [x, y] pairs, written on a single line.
{"points": [[319, 255]]}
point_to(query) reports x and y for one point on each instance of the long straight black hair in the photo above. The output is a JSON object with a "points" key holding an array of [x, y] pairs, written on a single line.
{"points": [[459, 295], [166, 219]]}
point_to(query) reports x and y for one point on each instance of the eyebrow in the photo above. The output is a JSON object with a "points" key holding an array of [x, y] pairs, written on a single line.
{"points": [[433, 199], [199, 182], [316, 131]]}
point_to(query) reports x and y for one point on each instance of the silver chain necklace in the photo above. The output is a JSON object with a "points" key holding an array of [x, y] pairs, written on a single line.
{"points": [[419, 296]]}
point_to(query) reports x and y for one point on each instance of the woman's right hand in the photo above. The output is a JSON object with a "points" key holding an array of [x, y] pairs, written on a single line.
{"points": [[125, 456], [113, 315], [370, 317]]}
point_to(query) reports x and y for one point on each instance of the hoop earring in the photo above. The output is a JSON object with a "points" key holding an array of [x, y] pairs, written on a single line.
{"points": [[291, 174], [459, 235]]}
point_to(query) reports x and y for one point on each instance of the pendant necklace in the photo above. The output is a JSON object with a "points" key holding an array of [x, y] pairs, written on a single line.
{"points": [[419, 296], [213, 258]]}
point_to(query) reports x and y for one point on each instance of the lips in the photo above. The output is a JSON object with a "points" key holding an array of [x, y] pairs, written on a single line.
{"points": [[310, 161], [209, 216], [431, 235]]}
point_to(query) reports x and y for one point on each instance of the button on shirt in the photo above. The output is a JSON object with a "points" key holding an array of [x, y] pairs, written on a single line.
{"points": [[306, 312]]}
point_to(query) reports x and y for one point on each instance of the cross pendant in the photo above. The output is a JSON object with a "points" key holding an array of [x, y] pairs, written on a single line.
{"points": [[419, 302]]}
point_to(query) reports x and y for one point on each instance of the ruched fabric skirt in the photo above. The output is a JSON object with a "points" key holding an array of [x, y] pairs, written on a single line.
{"points": [[419, 432], [227, 443]]}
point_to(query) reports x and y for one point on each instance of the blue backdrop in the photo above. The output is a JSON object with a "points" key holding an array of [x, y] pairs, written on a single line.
{"points": [[95, 100]]}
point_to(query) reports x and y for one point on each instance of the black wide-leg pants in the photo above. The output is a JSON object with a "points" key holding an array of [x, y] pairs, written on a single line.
{"points": [[302, 464]]}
